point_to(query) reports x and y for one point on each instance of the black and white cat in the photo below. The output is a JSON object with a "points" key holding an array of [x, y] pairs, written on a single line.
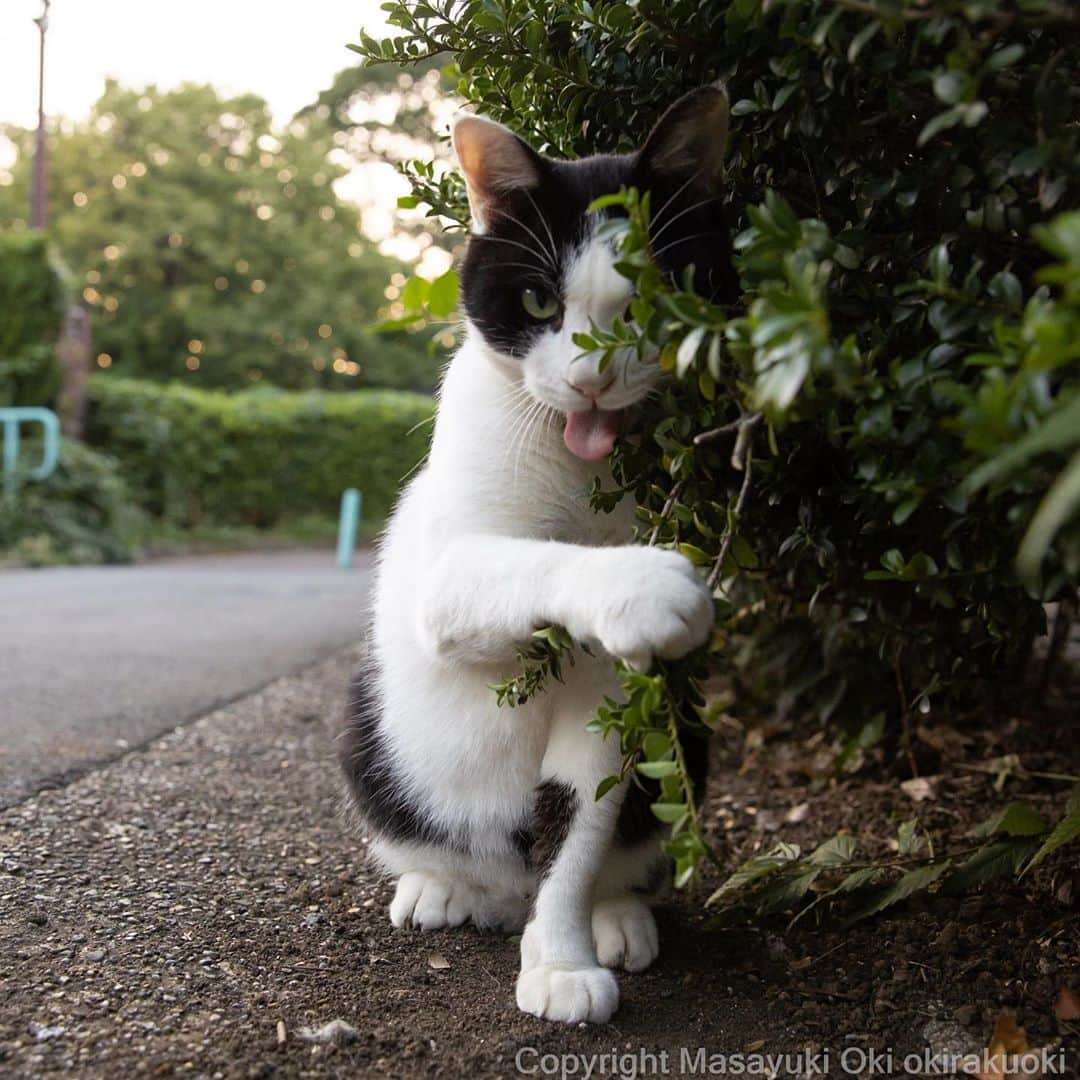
{"points": [[487, 814]]}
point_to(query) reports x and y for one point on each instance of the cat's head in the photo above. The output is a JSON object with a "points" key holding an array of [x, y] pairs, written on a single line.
{"points": [[536, 273]]}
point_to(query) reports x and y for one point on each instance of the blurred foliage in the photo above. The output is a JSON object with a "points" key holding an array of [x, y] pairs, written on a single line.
{"points": [[260, 456], [32, 297], [214, 248], [856, 452], [396, 117], [83, 512]]}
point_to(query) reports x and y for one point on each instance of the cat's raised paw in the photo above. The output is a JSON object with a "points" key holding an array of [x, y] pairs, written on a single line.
{"points": [[624, 932], [570, 995], [429, 902], [656, 606]]}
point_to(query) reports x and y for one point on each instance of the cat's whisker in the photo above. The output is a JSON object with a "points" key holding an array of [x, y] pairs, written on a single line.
{"points": [[523, 434], [682, 213], [519, 418], [550, 258], [547, 228], [684, 239], [659, 215]]}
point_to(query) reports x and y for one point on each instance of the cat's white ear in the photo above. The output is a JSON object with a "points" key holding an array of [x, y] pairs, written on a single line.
{"points": [[691, 137], [495, 162]]}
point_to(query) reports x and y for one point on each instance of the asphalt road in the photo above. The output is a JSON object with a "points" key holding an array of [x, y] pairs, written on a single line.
{"points": [[95, 660]]}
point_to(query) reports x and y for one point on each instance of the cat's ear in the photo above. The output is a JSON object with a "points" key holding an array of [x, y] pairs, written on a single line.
{"points": [[689, 140], [495, 163]]}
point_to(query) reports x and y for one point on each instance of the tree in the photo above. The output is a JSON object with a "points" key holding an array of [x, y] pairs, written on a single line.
{"points": [[213, 248], [857, 452]]}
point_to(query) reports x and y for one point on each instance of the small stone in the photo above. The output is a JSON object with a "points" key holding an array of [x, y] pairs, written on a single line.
{"points": [[965, 1015]]}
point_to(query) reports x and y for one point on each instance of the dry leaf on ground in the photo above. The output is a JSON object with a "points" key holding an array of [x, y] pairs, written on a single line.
{"points": [[918, 788], [1007, 1043], [1067, 1006]]}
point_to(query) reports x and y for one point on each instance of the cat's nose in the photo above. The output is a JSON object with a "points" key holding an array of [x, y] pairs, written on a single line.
{"points": [[591, 384]]}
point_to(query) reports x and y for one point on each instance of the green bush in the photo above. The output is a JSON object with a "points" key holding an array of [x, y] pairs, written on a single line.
{"points": [[83, 512], [257, 457], [909, 315], [31, 311]]}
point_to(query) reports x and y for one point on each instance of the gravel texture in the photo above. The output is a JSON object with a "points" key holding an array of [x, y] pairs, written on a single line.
{"points": [[199, 907]]}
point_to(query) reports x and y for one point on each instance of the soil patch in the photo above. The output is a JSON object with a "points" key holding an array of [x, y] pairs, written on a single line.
{"points": [[190, 908]]}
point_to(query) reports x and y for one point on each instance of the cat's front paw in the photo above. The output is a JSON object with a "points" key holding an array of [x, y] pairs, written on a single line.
{"points": [[571, 995], [655, 604]]}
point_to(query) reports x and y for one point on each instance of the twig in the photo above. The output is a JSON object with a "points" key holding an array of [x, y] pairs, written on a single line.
{"points": [[746, 463], [1063, 618], [676, 491], [715, 433]]}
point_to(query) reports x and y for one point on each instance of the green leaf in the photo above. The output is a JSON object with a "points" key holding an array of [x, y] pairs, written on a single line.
{"points": [[1061, 503], [605, 786], [1017, 819], [415, 292], [753, 870], [669, 813], [1059, 431], [443, 295], [913, 881], [1066, 830], [833, 852], [657, 770], [687, 352], [1004, 858]]}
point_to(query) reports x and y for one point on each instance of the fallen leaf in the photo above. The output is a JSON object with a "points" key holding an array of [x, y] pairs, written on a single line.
{"points": [[1006, 1043], [1067, 1006], [438, 962], [918, 789]]}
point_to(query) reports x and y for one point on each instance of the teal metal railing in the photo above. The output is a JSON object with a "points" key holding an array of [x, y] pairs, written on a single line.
{"points": [[12, 419], [348, 526]]}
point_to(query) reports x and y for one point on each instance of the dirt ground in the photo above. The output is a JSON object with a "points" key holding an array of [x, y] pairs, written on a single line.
{"points": [[192, 908]]}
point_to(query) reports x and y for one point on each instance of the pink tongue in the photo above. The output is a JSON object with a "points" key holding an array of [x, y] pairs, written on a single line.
{"points": [[591, 435]]}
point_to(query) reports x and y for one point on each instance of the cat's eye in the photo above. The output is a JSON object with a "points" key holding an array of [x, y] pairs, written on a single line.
{"points": [[539, 304]]}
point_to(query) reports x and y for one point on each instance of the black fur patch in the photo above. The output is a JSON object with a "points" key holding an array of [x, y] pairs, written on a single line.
{"points": [[553, 812], [377, 790], [516, 251]]}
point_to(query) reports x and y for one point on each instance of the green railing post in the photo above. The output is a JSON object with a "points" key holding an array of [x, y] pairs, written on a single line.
{"points": [[348, 525]]}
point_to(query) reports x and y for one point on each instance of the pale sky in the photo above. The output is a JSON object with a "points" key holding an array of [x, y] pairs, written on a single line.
{"points": [[285, 51]]}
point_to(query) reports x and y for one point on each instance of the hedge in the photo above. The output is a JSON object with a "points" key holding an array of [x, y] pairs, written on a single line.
{"points": [[32, 298], [875, 454], [256, 457], [82, 513]]}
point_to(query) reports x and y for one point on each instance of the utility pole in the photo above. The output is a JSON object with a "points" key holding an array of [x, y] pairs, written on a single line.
{"points": [[37, 188]]}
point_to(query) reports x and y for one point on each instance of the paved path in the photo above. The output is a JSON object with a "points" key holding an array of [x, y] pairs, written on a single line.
{"points": [[94, 660]]}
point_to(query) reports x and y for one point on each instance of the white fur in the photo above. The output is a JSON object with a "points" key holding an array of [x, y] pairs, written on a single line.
{"points": [[493, 539]]}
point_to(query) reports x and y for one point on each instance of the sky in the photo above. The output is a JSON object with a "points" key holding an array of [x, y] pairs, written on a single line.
{"points": [[284, 51]]}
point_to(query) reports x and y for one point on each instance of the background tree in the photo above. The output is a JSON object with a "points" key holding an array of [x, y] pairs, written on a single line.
{"points": [[213, 248]]}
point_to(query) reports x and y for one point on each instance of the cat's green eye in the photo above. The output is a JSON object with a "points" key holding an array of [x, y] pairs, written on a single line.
{"points": [[540, 304]]}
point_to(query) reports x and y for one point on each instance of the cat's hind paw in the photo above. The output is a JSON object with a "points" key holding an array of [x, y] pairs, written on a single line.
{"points": [[571, 995], [624, 932], [429, 902]]}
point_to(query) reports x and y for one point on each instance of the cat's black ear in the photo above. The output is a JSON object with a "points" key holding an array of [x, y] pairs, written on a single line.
{"points": [[689, 140], [495, 163]]}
